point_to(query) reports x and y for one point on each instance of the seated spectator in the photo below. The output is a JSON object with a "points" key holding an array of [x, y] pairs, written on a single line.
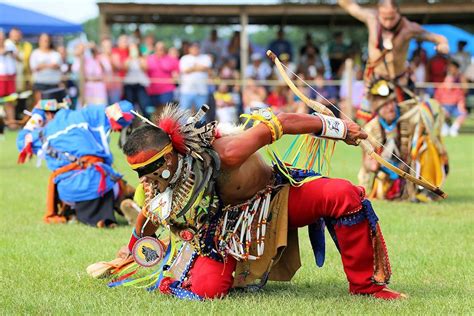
{"points": [[326, 95], [228, 70], [307, 45], [418, 71], [161, 67], [281, 46], [253, 96], [453, 99], [258, 70], [290, 67], [278, 98], [194, 69], [295, 104], [226, 111], [462, 57]]}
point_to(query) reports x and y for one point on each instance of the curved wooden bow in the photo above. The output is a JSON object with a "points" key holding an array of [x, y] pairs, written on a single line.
{"points": [[365, 144]]}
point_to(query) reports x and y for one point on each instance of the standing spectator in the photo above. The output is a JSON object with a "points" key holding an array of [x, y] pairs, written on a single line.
{"points": [[24, 49], [226, 111], [337, 52], [278, 98], [194, 69], [258, 70], [111, 77], [136, 80], [45, 63], [462, 57], [311, 63], [214, 47], [95, 91], [280, 45], [8, 56], [68, 80], [453, 99], [307, 45], [421, 52], [146, 48], [161, 67], [119, 57], [233, 48]]}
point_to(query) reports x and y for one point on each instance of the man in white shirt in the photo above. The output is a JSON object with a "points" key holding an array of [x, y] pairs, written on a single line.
{"points": [[258, 70], [194, 69]]}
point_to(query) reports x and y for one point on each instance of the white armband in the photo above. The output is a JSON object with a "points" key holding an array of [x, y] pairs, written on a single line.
{"points": [[333, 128]]}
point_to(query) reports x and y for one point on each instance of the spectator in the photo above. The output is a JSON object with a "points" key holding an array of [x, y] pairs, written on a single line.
{"points": [[437, 68], [119, 57], [311, 63], [161, 67], [253, 96], [233, 48], [95, 90], [326, 95], [184, 48], [418, 71], [136, 80], [281, 46], [357, 90], [45, 64], [337, 52], [258, 70], [453, 99], [226, 111], [214, 47], [111, 77], [308, 45], [278, 98], [229, 69], [420, 52], [290, 67], [68, 79], [194, 69], [24, 49], [146, 48], [462, 57], [8, 55]]}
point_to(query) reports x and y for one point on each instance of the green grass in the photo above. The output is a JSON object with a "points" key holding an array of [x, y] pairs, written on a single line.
{"points": [[42, 269]]}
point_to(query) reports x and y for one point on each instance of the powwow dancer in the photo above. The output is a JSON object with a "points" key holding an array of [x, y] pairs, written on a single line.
{"points": [[75, 147], [236, 214], [409, 131], [389, 36]]}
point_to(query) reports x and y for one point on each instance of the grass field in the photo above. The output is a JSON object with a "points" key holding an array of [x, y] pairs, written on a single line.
{"points": [[42, 269]]}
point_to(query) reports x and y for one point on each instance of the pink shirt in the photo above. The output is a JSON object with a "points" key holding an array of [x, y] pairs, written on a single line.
{"points": [[161, 68]]}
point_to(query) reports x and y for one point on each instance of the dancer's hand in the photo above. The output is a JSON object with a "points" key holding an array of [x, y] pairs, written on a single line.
{"points": [[354, 133]]}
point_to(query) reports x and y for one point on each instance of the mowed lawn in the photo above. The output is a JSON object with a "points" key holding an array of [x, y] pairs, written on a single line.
{"points": [[42, 268]]}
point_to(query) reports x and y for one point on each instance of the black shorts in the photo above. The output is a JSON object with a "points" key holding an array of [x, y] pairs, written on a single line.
{"points": [[92, 211]]}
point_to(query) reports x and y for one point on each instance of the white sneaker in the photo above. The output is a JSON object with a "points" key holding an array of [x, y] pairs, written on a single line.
{"points": [[445, 130], [453, 131]]}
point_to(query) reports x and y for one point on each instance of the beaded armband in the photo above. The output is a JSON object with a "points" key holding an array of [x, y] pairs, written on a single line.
{"points": [[333, 128], [267, 117]]}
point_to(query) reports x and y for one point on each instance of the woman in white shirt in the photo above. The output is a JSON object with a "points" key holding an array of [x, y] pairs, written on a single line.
{"points": [[45, 65]]}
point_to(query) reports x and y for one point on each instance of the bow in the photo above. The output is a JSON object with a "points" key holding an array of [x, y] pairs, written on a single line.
{"points": [[365, 144]]}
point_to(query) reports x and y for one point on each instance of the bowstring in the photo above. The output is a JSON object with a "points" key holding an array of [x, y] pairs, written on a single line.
{"points": [[349, 119]]}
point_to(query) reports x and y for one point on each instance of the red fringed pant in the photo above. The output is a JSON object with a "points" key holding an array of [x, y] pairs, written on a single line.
{"points": [[319, 198]]}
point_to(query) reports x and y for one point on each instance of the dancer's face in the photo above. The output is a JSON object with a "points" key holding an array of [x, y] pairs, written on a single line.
{"points": [[170, 164], [388, 112], [388, 17]]}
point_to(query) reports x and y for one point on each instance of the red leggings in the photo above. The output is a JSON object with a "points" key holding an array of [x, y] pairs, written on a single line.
{"points": [[319, 198]]}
